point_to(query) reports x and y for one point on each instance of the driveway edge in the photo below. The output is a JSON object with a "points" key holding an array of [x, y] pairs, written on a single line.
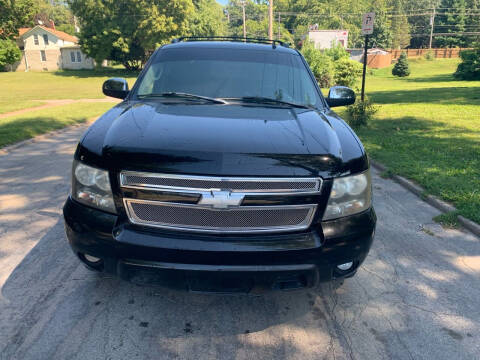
{"points": [[441, 205], [9, 148]]}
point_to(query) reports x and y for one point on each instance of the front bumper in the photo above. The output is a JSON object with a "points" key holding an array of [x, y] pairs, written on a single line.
{"points": [[220, 263]]}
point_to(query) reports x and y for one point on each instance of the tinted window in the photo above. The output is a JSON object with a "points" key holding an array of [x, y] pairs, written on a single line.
{"points": [[35, 39], [79, 57], [45, 39], [43, 55], [230, 73], [72, 56]]}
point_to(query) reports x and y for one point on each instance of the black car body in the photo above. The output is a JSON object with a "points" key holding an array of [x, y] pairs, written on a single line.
{"points": [[222, 193]]}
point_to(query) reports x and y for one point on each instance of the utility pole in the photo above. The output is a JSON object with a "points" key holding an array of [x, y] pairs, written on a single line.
{"points": [[244, 24], [279, 27], [270, 19], [432, 24]]}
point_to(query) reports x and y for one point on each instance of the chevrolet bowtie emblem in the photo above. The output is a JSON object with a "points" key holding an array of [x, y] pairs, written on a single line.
{"points": [[221, 199]]}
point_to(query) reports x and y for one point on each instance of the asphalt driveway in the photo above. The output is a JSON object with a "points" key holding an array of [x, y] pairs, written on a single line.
{"points": [[416, 297]]}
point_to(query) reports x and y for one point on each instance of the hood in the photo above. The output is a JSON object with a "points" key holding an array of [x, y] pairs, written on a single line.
{"points": [[230, 140]]}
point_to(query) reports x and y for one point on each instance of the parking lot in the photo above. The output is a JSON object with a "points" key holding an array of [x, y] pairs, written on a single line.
{"points": [[416, 297]]}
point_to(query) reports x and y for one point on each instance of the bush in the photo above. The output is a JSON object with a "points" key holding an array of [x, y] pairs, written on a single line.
{"points": [[361, 112], [469, 68], [337, 52], [401, 68], [9, 53], [331, 66], [429, 56], [320, 63], [347, 72]]}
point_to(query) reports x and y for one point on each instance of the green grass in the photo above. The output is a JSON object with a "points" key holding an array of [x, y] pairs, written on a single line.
{"points": [[19, 89], [428, 130], [448, 220], [28, 125]]}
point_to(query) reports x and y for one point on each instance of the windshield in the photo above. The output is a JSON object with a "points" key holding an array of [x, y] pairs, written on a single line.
{"points": [[230, 73]]}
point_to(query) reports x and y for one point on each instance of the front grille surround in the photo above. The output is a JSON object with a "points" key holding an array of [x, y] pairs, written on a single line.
{"points": [[194, 183], [219, 207], [251, 219]]}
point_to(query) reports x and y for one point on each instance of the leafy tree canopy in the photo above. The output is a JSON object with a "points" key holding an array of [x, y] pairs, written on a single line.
{"points": [[57, 11], [129, 30], [208, 19], [9, 53], [15, 14]]}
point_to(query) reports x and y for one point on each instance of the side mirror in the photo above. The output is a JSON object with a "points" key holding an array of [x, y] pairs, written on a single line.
{"points": [[340, 96], [116, 87]]}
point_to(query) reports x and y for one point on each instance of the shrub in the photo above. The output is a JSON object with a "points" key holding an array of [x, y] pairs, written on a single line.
{"points": [[429, 56], [320, 63], [401, 68], [347, 72], [337, 52], [469, 68], [9, 53], [361, 112]]}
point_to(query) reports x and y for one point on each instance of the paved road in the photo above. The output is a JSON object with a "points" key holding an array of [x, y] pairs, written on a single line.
{"points": [[416, 297]]}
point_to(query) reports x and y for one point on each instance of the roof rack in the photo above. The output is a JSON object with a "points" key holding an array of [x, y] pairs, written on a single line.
{"points": [[232, 38]]}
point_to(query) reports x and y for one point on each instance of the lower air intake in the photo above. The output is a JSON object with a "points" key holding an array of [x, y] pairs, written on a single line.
{"points": [[235, 220]]}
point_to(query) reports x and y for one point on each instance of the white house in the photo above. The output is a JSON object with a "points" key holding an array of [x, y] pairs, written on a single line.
{"points": [[324, 39], [47, 49]]}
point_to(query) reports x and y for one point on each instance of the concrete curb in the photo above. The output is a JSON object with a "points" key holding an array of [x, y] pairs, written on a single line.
{"points": [[441, 205], [470, 225], [9, 148]]}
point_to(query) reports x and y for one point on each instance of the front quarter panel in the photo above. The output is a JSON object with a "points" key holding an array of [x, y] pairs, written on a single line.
{"points": [[91, 144], [355, 159]]}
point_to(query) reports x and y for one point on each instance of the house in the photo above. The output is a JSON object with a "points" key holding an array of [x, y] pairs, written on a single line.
{"points": [[47, 49], [325, 39]]}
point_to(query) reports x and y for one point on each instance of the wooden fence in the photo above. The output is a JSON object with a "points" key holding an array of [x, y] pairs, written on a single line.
{"points": [[438, 53]]}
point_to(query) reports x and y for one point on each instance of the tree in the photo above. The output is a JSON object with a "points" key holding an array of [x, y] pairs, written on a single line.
{"points": [[401, 68], [382, 32], [56, 11], [128, 31], [400, 27], [452, 19], [9, 53], [13, 15], [469, 68], [208, 19]]}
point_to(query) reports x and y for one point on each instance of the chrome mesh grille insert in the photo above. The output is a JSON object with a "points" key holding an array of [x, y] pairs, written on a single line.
{"points": [[204, 183], [235, 220]]}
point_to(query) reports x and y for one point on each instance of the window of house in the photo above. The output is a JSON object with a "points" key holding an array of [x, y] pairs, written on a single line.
{"points": [[45, 39], [43, 55], [72, 56], [35, 39], [79, 56]]}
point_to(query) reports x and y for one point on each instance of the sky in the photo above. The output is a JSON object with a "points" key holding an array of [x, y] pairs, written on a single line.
{"points": [[223, 2]]}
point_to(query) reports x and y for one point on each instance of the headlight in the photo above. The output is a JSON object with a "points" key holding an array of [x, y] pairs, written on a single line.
{"points": [[91, 186], [350, 195]]}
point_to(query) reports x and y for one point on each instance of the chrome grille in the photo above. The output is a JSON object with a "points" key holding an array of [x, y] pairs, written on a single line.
{"points": [[207, 183], [218, 207], [240, 219]]}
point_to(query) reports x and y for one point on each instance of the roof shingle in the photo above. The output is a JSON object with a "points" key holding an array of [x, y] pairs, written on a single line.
{"points": [[60, 34]]}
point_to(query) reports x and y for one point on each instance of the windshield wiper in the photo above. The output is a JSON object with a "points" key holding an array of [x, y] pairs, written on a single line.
{"points": [[180, 95], [266, 100]]}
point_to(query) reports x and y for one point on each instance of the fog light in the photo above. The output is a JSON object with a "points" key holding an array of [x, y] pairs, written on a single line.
{"points": [[346, 266], [91, 258]]}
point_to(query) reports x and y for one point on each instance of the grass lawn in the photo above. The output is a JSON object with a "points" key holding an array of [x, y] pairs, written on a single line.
{"points": [[428, 130], [19, 89], [27, 125]]}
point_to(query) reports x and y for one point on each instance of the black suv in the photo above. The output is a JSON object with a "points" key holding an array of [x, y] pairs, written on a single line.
{"points": [[223, 169]]}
